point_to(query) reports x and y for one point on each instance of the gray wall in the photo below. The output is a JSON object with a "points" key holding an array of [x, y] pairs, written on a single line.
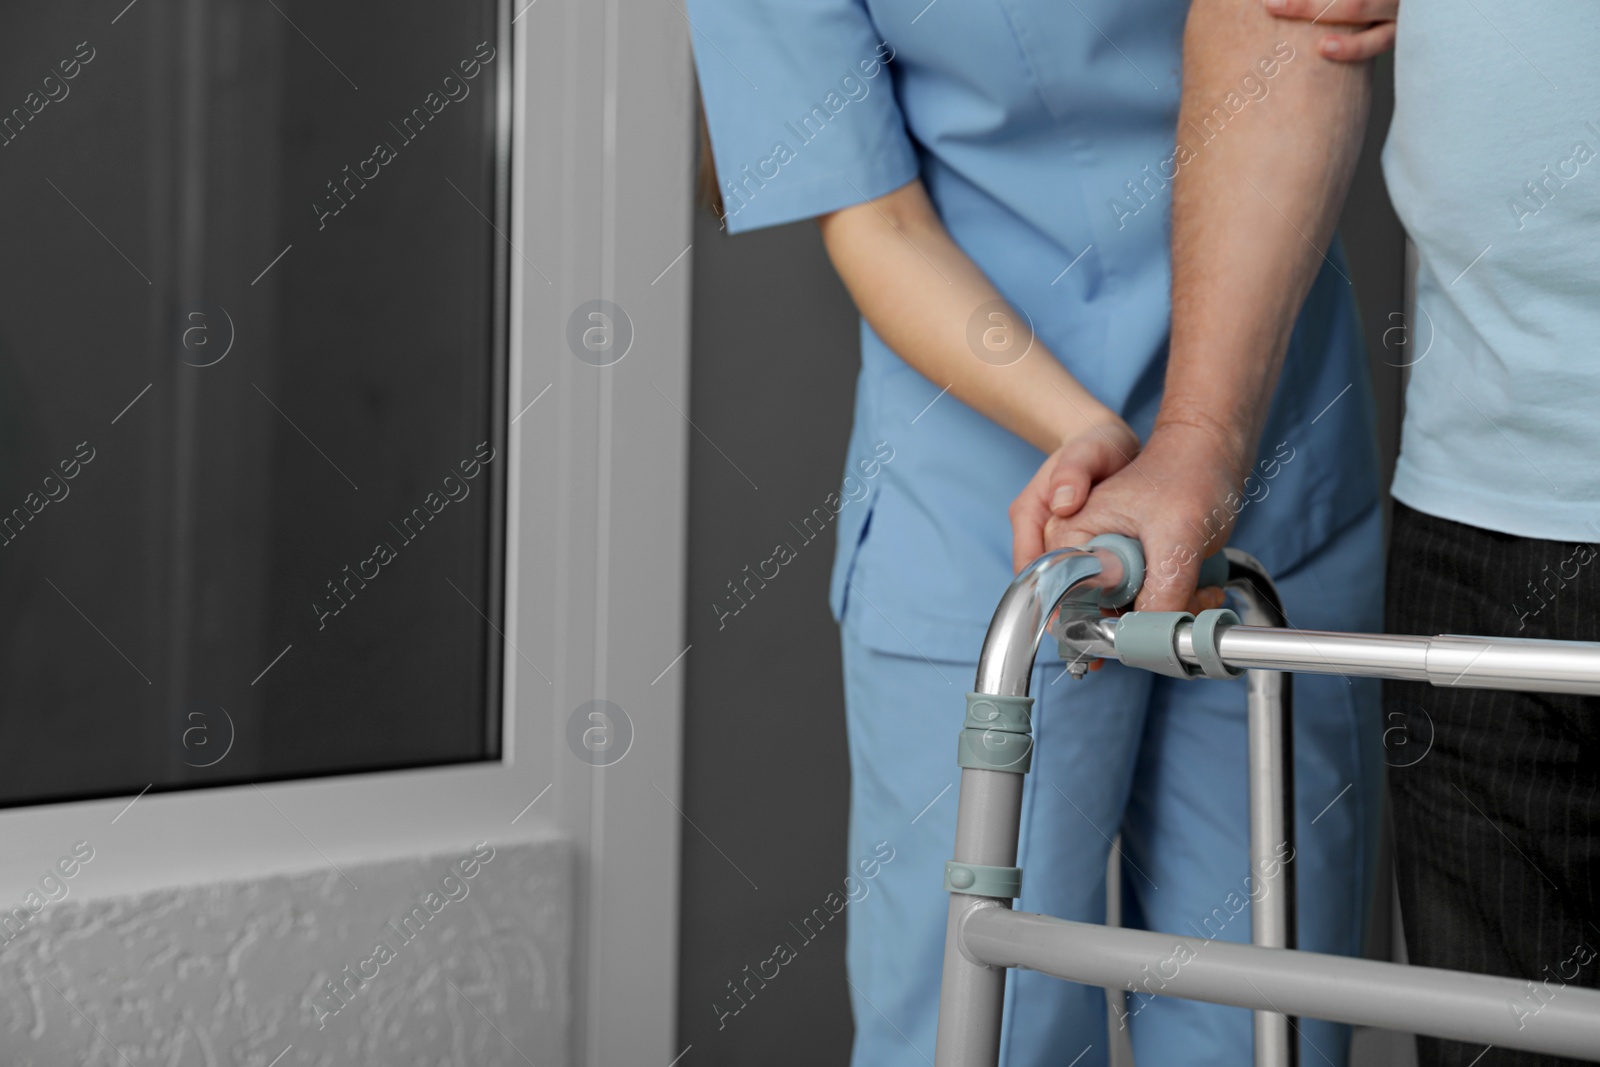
{"points": [[774, 358], [774, 355]]}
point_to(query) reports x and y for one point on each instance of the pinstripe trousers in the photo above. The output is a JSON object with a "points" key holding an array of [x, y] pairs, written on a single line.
{"points": [[1496, 806]]}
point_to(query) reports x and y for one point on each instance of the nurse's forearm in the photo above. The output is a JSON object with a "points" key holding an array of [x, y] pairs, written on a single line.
{"points": [[1253, 210], [920, 291]]}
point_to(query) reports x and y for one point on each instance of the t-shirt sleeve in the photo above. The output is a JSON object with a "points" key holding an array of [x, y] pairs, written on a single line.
{"points": [[800, 103]]}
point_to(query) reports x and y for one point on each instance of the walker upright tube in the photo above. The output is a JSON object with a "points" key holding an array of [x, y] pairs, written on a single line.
{"points": [[995, 751], [1272, 801]]}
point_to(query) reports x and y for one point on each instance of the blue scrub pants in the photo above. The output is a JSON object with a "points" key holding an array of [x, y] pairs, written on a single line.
{"points": [[1160, 760]]}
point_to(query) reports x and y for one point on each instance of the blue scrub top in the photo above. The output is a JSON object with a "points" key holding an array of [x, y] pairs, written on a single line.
{"points": [[1044, 133]]}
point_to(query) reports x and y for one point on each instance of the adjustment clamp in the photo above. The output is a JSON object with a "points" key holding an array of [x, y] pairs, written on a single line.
{"points": [[997, 734], [1208, 626], [1148, 640], [977, 880]]}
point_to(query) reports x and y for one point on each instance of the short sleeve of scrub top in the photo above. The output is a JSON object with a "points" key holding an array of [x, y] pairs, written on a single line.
{"points": [[823, 66]]}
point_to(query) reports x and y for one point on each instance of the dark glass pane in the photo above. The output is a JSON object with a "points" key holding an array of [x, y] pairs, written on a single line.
{"points": [[250, 329]]}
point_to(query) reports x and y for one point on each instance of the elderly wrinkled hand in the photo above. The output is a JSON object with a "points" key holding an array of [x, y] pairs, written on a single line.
{"points": [[1178, 498]]}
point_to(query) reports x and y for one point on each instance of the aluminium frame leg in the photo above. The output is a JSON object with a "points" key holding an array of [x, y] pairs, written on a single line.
{"points": [[1272, 802], [971, 994], [995, 751]]}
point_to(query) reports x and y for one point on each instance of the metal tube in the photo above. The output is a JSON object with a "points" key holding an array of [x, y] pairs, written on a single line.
{"points": [[1467, 662], [1503, 1012], [1006, 663], [972, 994], [1320, 652], [1510, 663], [1272, 802]]}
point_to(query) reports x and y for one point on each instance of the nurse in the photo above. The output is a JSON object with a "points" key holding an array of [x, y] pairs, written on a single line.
{"points": [[992, 181]]}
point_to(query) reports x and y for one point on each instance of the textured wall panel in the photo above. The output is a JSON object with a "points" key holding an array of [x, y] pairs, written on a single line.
{"points": [[239, 974]]}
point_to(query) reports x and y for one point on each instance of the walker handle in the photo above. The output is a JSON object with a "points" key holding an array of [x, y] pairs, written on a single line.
{"points": [[1213, 572]]}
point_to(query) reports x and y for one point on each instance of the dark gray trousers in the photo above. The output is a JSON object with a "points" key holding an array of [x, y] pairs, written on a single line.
{"points": [[1497, 814]]}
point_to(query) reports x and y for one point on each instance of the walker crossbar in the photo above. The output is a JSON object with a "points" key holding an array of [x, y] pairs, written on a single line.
{"points": [[1467, 1007], [1445, 660], [983, 936]]}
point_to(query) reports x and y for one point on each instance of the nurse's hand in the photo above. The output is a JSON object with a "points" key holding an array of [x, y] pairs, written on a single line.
{"points": [[1370, 25], [1179, 498], [1062, 484]]}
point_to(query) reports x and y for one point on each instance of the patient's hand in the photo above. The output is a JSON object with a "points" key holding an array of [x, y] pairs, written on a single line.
{"points": [[1179, 499], [1366, 27]]}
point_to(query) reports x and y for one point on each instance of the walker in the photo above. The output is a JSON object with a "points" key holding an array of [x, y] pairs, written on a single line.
{"points": [[985, 936]]}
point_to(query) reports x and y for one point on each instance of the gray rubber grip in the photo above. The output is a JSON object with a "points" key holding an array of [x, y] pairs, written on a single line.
{"points": [[1213, 572], [1146, 639], [1205, 634], [1131, 554]]}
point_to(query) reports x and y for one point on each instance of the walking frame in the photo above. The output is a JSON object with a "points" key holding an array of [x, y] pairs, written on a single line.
{"points": [[984, 936]]}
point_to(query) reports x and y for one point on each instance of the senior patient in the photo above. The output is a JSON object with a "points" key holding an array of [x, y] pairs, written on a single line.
{"points": [[1491, 163]]}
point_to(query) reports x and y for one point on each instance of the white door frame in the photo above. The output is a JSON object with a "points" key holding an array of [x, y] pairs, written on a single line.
{"points": [[596, 521]]}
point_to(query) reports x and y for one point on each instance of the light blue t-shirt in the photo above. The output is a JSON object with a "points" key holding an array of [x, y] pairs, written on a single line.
{"points": [[1493, 163], [1049, 152]]}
